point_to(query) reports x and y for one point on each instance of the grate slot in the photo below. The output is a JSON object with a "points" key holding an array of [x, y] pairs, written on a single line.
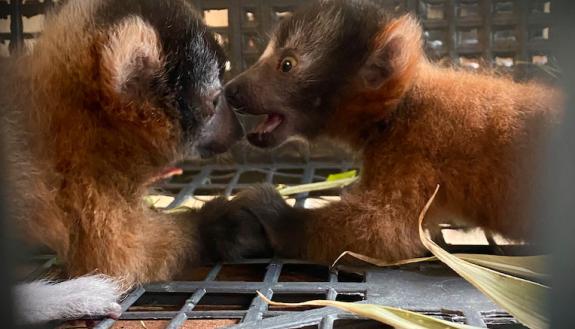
{"points": [[188, 191], [500, 320], [304, 273]]}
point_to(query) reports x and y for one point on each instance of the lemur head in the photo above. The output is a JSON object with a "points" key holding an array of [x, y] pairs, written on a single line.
{"points": [[320, 58], [140, 76]]}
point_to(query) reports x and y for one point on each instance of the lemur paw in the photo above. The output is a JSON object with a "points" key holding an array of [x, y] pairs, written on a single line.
{"points": [[231, 229], [258, 222], [114, 311]]}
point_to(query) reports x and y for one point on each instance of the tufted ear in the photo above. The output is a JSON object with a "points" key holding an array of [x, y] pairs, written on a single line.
{"points": [[130, 59], [396, 51]]}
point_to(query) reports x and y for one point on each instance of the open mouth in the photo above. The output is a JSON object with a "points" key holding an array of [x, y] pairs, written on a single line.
{"points": [[268, 124], [260, 128]]}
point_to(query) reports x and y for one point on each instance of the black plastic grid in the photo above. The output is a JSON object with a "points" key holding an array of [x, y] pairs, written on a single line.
{"points": [[429, 289], [510, 35], [17, 11]]}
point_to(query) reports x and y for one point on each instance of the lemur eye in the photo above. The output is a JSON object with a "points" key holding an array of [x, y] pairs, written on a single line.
{"points": [[287, 64]]}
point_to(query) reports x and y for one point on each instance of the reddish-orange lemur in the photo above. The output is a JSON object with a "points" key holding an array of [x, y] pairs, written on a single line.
{"points": [[112, 94], [344, 69]]}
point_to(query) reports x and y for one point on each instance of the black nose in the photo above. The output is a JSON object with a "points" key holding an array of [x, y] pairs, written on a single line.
{"points": [[233, 95]]}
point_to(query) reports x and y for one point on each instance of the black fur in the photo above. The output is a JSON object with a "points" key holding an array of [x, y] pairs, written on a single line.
{"points": [[330, 40], [230, 232], [256, 224], [189, 48]]}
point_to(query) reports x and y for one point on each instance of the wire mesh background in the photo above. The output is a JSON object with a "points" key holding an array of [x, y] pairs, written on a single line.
{"points": [[510, 36]]}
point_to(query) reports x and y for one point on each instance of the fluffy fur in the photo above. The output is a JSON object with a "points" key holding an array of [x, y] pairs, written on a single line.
{"points": [[76, 190], [416, 126], [113, 93], [43, 301]]}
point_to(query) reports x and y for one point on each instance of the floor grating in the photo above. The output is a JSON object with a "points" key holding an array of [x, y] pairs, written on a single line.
{"points": [[225, 295]]}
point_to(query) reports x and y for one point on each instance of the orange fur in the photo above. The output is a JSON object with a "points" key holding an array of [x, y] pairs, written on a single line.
{"points": [[476, 135], [81, 155]]}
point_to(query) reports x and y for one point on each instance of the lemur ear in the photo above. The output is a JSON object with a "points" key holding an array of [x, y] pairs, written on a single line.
{"points": [[130, 59], [396, 51]]}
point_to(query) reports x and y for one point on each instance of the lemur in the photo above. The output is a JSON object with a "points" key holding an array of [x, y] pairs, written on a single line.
{"points": [[347, 70], [112, 94]]}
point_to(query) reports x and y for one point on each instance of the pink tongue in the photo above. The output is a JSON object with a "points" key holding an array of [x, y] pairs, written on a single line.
{"points": [[271, 122], [167, 173]]}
